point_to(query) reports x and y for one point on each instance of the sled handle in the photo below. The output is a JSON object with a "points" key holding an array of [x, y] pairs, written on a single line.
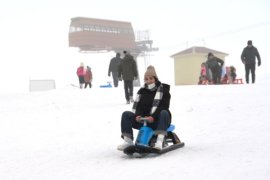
{"points": [[144, 121]]}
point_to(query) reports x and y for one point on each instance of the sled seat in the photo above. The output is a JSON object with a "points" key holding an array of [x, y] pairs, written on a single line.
{"points": [[238, 81], [203, 82], [171, 128]]}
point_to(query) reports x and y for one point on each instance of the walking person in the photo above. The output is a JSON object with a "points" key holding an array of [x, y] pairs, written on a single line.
{"points": [[80, 73], [248, 58], [88, 77], [127, 71], [215, 65], [113, 69]]}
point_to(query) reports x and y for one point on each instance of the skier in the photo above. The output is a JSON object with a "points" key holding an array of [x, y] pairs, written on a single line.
{"points": [[152, 102]]}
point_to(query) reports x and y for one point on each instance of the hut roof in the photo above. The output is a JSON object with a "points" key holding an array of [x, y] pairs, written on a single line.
{"points": [[198, 50]]}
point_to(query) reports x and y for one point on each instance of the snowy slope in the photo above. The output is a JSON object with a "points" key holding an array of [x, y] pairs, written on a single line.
{"points": [[72, 134]]}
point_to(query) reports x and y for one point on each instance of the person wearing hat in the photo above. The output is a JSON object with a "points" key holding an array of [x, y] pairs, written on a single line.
{"points": [[152, 102], [215, 65], [248, 58]]}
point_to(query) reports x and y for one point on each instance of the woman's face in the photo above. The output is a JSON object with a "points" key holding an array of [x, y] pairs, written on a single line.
{"points": [[149, 80]]}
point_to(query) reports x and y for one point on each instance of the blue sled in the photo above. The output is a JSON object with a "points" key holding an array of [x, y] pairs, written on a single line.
{"points": [[106, 86], [146, 136], [146, 140]]}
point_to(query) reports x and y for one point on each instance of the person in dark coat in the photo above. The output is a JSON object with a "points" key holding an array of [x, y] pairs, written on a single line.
{"points": [[248, 58], [113, 69], [152, 102], [215, 65], [127, 71], [88, 77]]}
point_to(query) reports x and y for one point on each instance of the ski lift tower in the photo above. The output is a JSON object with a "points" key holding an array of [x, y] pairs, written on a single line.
{"points": [[144, 46]]}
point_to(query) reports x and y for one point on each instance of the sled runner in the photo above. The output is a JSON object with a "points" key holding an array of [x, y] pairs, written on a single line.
{"points": [[146, 139]]}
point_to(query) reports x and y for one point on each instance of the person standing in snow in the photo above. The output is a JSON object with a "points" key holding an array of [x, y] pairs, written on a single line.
{"points": [[248, 57], [215, 65], [113, 68], [80, 73], [152, 102], [127, 71], [88, 77]]}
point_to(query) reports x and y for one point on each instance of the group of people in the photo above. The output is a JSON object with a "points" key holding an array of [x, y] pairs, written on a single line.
{"points": [[124, 69], [218, 74], [153, 99], [212, 70], [85, 76], [121, 69]]}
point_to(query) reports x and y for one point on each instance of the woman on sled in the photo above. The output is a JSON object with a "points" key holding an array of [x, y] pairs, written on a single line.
{"points": [[152, 102]]}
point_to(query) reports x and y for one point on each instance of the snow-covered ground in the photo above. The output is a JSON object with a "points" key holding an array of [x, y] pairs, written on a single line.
{"points": [[72, 134]]}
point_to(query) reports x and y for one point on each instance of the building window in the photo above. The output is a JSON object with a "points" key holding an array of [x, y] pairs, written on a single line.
{"points": [[92, 28], [86, 27], [103, 29], [72, 29], [79, 28], [96, 28]]}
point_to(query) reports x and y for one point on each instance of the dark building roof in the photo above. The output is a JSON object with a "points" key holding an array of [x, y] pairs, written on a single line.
{"points": [[198, 50]]}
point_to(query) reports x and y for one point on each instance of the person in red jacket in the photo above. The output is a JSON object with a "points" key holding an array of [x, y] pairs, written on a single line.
{"points": [[80, 74], [203, 74], [88, 77]]}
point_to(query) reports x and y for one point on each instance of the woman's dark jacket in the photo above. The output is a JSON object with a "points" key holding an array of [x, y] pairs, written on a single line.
{"points": [[146, 101]]}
